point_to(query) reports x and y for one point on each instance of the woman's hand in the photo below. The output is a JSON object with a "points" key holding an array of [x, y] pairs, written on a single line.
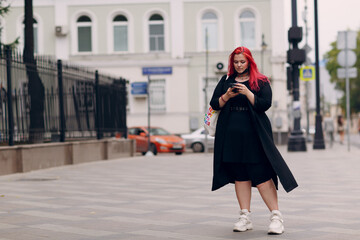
{"points": [[237, 89], [242, 89]]}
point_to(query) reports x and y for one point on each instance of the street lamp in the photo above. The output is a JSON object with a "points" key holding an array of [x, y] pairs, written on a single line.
{"points": [[263, 48], [319, 142]]}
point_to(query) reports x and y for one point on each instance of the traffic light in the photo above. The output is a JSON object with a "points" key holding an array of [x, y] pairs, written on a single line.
{"points": [[295, 34], [296, 56]]}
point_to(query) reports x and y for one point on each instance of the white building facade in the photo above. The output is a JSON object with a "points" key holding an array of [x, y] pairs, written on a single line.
{"points": [[164, 41]]}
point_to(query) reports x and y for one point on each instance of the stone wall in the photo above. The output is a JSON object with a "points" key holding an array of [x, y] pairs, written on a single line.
{"points": [[25, 158]]}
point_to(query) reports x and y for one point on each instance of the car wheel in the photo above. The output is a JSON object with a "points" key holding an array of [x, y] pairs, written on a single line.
{"points": [[153, 149], [198, 147], [178, 153]]}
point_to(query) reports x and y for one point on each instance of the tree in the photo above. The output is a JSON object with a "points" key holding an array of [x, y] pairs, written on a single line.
{"points": [[4, 10], [332, 66], [35, 87]]}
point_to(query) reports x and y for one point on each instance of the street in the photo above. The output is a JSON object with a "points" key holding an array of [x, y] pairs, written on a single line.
{"points": [[169, 197]]}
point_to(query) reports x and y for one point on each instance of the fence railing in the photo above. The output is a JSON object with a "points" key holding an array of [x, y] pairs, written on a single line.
{"points": [[76, 102]]}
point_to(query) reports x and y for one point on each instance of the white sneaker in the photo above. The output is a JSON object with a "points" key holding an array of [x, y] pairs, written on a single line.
{"points": [[277, 223], [244, 222]]}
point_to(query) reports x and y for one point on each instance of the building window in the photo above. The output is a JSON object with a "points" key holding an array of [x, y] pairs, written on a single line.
{"points": [[247, 29], [157, 95], [84, 26], [210, 22], [120, 28], [212, 82], [36, 39], [156, 33]]}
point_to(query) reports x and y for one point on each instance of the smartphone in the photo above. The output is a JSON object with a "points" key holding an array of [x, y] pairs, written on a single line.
{"points": [[232, 85]]}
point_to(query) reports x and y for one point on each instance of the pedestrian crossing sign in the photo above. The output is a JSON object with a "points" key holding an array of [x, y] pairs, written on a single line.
{"points": [[307, 73]]}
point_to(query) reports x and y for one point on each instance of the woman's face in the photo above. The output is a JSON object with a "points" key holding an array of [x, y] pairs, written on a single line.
{"points": [[240, 63]]}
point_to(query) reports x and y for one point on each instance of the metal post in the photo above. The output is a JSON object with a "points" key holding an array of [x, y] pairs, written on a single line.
{"points": [[296, 139], [98, 106], [9, 95], [347, 91], [61, 101], [149, 153], [263, 48], [308, 138], [319, 136], [206, 83]]}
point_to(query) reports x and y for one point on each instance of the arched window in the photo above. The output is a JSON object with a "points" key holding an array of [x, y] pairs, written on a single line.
{"points": [[209, 21], [36, 35], [156, 33], [84, 26], [247, 29], [120, 28]]}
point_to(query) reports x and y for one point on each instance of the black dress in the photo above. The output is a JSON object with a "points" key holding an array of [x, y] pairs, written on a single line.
{"points": [[242, 143], [243, 155]]}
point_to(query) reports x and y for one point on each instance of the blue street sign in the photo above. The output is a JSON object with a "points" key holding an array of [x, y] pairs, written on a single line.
{"points": [[307, 73], [156, 70], [139, 88]]}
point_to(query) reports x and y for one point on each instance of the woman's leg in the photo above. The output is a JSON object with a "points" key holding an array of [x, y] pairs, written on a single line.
{"points": [[243, 193], [269, 195]]}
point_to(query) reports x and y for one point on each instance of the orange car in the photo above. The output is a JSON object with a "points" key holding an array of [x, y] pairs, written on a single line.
{"points": [[161, 141]]}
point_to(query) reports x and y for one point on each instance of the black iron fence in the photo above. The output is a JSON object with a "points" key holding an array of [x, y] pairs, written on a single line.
{"points": [[76, 102]]}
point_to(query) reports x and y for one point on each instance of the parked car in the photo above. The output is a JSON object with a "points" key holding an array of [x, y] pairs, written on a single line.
{"points": [[161, 141], [196, 140]]}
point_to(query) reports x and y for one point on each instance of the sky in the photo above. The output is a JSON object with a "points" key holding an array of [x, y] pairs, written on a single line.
{"points": [[333, 16]]}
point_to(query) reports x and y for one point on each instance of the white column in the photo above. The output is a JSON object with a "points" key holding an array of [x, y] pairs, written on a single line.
{"points": [[177, 28], [279, 47], [62, 47]]}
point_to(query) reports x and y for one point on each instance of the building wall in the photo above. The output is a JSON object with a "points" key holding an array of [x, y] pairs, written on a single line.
{"points": [[184, 96]]}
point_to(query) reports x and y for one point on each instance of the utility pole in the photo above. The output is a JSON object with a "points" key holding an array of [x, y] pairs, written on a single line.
{"points": [[295, 57], [307, 62], [319, 136], [206, 82]]}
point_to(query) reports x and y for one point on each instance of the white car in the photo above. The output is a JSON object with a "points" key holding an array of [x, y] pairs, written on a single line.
{"points": [[196, 140]]}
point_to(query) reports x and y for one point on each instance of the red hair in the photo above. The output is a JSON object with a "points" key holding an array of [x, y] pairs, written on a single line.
{"points": [[255, 75]]}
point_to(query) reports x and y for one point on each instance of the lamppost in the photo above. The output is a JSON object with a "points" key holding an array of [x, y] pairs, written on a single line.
{"points": [[295, 57], [263, 48], [319, 142]]}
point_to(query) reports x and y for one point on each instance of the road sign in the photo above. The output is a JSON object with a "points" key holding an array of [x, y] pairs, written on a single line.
{"points": [[352, 72], [156, 70], [307, 73], [346, 39], [348, 55], [139, 88]]}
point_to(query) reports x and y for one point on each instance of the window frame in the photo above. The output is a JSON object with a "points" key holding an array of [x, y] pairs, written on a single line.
{"points": [[210, 90], [74, 32], [146, 33], [220, 29], [158, 36], [258, 28], [110, 31], [161, 108], [40, 34]]}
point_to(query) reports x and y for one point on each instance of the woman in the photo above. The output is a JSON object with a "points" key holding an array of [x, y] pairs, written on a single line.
{"points": [[244, 151], [341, 128]]}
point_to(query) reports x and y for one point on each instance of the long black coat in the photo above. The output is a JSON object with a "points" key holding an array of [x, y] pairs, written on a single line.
{"points": [[263, 99]]}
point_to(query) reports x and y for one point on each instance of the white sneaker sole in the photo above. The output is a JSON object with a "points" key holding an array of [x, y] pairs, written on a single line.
{"points": [[248, 227], [276, 231]]}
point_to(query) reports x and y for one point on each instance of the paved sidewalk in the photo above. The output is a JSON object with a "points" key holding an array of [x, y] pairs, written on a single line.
{"points": [[169, 197]]}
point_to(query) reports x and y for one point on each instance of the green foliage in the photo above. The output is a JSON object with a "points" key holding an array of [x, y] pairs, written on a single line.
{"points": [[4, 10], [332, 66]]}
